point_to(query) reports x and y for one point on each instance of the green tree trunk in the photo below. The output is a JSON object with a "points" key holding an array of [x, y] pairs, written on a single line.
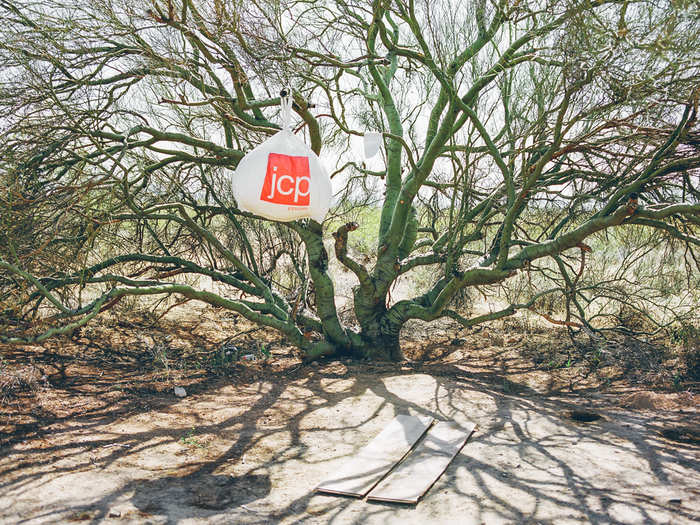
{"points": [[380, 331]]}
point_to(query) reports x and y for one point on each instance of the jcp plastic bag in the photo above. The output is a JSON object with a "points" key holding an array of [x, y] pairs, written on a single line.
{"points": [[282, 179]]}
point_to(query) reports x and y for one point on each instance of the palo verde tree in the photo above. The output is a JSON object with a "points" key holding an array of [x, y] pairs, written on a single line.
{"points": [[513, 132]]}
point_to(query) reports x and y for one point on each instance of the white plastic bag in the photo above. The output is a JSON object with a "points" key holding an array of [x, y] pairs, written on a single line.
{"points": [[282, 179], [372, 142]]}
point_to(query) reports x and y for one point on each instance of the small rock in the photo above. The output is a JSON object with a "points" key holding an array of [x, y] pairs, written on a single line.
{"points": [[180, 392], [114, 514]]}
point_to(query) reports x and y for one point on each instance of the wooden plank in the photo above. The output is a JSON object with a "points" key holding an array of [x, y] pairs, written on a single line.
{"points": [[412, 478], [371, 464]]}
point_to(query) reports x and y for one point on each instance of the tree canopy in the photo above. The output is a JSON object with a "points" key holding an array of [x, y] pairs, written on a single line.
{"points": [[513, 132]]}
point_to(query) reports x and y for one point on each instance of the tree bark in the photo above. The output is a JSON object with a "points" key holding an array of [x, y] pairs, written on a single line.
{"points": [[379, 330], [381, 342]]}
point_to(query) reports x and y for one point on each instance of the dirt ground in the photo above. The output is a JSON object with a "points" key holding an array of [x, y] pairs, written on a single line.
{"points": [[91, 430]]}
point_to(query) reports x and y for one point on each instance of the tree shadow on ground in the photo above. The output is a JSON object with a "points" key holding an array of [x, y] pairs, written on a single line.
{"points": [[199, 491], [526, 462]]}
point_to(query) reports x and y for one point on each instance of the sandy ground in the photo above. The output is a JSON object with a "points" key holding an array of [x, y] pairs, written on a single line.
{"points": [[107, 443], [253, 454]]}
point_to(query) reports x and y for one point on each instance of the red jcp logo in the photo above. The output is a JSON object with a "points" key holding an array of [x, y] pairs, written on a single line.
{"points": [[287, 180]]}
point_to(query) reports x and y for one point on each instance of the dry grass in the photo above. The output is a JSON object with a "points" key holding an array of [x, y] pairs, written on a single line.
{"points": [[18, 380]]}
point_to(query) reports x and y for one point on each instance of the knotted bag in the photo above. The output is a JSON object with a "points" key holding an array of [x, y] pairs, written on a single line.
{"points": [[282, 179]]}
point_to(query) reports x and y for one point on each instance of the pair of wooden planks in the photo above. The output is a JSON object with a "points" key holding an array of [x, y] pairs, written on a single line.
{"points": [[366, 473]]}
